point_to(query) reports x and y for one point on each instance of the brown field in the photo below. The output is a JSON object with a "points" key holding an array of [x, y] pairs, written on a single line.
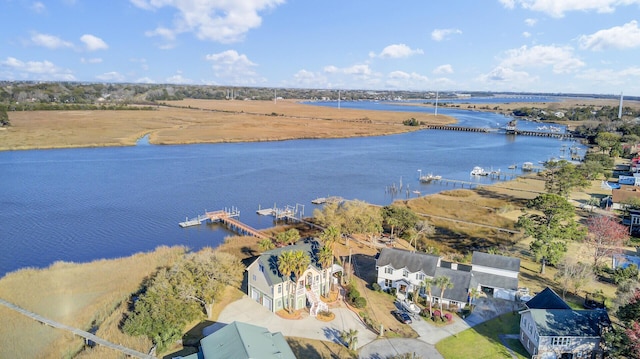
{"points": [[79, 295], [200, 121]]}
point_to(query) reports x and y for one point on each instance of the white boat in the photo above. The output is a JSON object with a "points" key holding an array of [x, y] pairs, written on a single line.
{"points": [[527, 166], [192, 222], [428, 178], [479, 171], [410, 307]]}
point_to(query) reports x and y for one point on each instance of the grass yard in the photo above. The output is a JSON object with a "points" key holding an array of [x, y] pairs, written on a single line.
{"points": [[483, 341]]}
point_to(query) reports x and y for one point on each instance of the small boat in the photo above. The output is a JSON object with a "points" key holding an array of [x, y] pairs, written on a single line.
{"points": [[527, 166], [513, 166], [319, 200], [410, 307], [479, 171], [428, 178], [191, 222]]}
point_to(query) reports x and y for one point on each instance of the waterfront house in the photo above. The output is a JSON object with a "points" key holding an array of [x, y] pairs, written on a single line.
{"points": [[241, 340], [549, 328], [267, 286], [405, 271]]}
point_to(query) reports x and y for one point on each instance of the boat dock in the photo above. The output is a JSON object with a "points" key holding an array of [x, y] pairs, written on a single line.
{"points": [[227, 217], [282, 213]]}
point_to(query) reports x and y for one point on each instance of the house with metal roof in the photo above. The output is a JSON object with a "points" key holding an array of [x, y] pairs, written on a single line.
{"points": [[241, 340], [272, 289], [406, 270], [549, 328]]}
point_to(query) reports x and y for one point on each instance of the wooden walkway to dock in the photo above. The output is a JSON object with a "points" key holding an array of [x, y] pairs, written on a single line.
{"points": [[76, 331], [227, 219]]}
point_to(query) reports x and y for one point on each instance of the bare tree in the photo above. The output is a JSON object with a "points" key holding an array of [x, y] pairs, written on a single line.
{"points": [[605, 237]]}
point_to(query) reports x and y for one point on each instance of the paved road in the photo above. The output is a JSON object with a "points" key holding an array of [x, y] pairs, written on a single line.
{"points": [[384, 348]]}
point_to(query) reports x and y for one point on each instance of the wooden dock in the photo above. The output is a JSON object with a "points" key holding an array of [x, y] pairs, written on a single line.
{"points": [[226, 217], [75, 331], [460, 128]]}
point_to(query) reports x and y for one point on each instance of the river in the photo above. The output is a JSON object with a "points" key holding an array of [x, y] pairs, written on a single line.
{"points": [[85, 204]]}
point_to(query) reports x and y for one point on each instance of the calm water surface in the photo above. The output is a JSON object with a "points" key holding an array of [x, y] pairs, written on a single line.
{"points": [[84, 204]]}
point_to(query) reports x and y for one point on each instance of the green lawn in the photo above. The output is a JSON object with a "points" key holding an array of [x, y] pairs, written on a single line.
{"points": [[482, 341]]}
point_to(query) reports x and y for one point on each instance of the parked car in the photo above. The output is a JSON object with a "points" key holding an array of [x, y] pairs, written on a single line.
{"points": [[402, 316]]}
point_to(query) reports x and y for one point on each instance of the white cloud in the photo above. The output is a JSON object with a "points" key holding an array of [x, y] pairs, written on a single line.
{"points": [[526, 34], [178, 79], [93, 43], [404, 80], [220, 21], [145, 80], [443, 69], [94, 60], [308, 79], [442, 34], [530, 22], [561, 59], [38, 7], [509, 4], [234, 67], [557, 8], [507, 75], [112, 76], [618, 37], [397, 51], [49, 41], [45, 70], [611, 77]]}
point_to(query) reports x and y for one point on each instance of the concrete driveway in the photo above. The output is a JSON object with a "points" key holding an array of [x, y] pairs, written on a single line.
{"points": [[249, 311], [384, 348]]}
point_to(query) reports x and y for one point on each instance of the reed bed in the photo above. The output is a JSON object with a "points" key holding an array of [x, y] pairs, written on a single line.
{"points": [[81, 295]]}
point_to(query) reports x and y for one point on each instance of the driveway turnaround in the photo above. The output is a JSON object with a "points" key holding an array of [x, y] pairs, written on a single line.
{"points": [[248, 311], [384, 348]]}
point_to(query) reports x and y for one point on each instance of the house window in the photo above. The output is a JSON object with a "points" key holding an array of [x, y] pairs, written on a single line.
{"points": [[261, 268], [388, 270], [279, 289], [254, 277], [420, 276], [405, 273], [560, 341], [388, 282]]}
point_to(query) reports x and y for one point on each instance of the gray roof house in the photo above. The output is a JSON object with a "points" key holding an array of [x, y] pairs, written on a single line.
{"points": [[405, 271], [275, 291], [241, 340], [559, 331]]}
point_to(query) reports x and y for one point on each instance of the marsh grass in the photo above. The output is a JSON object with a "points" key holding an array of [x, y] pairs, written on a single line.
{"points": [[207, 121], [81, 295]]}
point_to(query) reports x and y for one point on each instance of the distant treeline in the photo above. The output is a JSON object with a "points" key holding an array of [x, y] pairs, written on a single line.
{"points": [[34, 106]]}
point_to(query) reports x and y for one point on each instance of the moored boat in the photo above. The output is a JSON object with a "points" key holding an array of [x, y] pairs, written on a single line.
{"points": [[479, 171], [430, 177]]}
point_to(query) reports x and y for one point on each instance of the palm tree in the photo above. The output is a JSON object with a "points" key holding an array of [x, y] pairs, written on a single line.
{"points": [[325, 257], [473, 294], [286, 263], [350, 338], [300, 264], [330, 237], [428, 282], [444, 283], [266, 244]]}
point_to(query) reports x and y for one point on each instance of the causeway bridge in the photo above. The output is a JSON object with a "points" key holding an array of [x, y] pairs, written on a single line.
{"points": [[496, 130]]}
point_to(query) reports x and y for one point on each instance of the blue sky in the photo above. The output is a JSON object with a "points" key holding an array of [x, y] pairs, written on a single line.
{"points": [[565, 46]]}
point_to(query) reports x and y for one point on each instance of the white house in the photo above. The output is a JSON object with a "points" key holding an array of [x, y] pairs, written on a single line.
{"points": [[267, 286], [405, 271], [550, 329], [496, 275]]}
